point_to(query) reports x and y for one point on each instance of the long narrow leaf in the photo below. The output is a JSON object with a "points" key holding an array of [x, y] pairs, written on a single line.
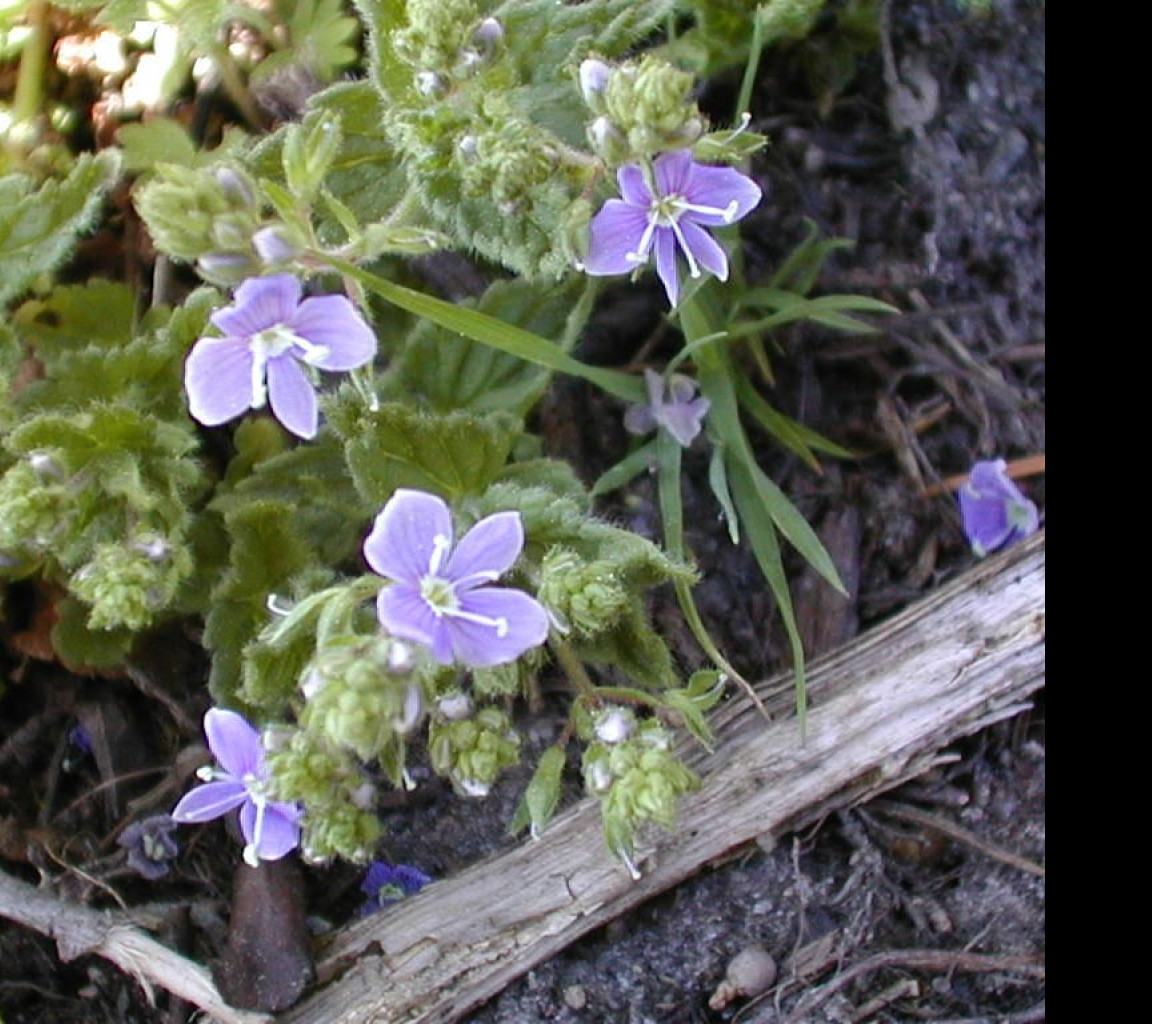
{"points": [[489, 331], [627, 469]]}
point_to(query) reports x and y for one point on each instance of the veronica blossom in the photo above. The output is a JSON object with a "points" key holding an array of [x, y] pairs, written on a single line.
{"points": [[673, 406], [669, 213], [270, 338], [994, 512], [441, 594], [271, 828]]}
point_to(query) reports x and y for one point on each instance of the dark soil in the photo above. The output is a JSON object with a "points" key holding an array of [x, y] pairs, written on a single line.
{"points": [[932, 159]]}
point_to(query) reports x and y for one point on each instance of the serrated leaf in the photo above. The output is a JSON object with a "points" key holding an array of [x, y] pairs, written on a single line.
{"points": [[159, 140], [539, 801], [453, 455], [40, 226]]}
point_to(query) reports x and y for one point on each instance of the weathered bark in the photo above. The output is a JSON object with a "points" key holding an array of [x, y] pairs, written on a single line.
{"points": [[969, 655]]}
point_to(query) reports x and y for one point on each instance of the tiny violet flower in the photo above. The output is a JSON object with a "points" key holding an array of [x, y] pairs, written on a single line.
{"points": [[150, 845], [674, 407], [387, 883], [268, 334], [667, 213], [271, 828], [440, 594], [994, 511]]}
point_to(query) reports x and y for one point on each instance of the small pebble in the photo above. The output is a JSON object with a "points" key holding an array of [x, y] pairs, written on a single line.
{"points": [[575, 997], [750, 973]]}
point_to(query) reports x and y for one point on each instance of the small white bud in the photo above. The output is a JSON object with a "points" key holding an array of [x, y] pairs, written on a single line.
{"points": [[594, 76], [614, 725], [428, 83], [455, 706]]}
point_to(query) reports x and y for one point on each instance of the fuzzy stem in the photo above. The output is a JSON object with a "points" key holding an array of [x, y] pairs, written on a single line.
{"points": [[29, 94], [574, 669]]}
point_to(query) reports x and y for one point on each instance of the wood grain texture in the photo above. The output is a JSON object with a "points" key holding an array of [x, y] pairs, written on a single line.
{"points": [[881, 708]]}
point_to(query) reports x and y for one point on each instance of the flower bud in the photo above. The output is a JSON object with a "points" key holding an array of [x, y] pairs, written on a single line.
{"points": [[614, 725], [235, 187], [429, 83], [274, 245], [488, 37], [594, 76]]}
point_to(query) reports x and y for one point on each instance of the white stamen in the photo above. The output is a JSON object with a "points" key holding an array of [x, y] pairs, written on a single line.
{"points": [[313, 353], [440, 546], [645, 246], [728, 212], [693, 266], [499, 624], [251, 851]]}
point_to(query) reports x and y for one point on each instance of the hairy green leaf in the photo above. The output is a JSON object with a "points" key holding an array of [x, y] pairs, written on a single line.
{"points": [[40, 226]]}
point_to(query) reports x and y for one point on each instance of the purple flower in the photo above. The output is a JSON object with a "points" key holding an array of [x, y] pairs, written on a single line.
{"points": [[271, 828], [150, 845], [687, 197], [994, 511], [675, 408], [387, 883], [440, 595], [268, 334]]}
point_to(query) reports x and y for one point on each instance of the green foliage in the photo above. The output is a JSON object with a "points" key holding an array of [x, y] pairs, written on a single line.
{"points": [[39, 226], [541, 795], [454, 455], [452, 373]]}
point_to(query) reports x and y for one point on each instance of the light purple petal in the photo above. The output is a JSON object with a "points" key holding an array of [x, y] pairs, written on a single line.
{"points": [[259, 303], [654, 384], [332, 321], [487, 551], [405, 614], [615, 232], [292, 397], [990, 478], [403, 538], [717, 187], [280, 833], [985, 521], [706, 250], [218, 379], [234, 743], [673, 172], [480, 646], [683, 420], [666, 264], [639, 419], [633, 188], [209, 801]]}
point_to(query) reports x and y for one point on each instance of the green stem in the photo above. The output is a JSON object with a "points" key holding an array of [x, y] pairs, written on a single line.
{"points": [[574, 669], [235, 87], [28, 98]]}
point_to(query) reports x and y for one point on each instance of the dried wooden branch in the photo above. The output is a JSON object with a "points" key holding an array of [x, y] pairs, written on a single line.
{"points": [[80, 930], [967, 656]]}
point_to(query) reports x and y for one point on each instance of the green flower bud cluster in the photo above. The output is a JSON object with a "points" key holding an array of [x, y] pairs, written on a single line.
{"points": [[472, 752], [340, 820], [32, 504], [444, 39], [363, 696], [586, 596], [127, 584], [504, 157], [207, 216], [638, 779], [647, 109]]}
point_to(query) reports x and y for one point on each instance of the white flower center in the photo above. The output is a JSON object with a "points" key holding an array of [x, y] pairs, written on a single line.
{"points": [[665, 213], [274, 341], [440, 593]]}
